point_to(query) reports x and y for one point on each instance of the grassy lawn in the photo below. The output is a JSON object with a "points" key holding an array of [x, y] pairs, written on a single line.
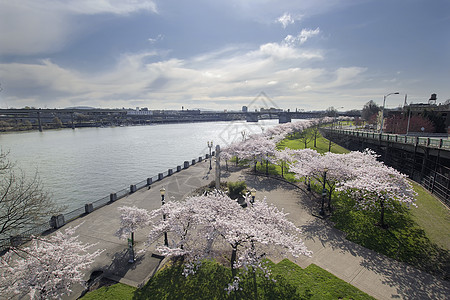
{"points": [[406, 239], [117, 291], [292, 282], [322, 144], [432, 216]]}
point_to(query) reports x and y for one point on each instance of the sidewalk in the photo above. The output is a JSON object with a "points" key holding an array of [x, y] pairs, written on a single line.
{"points": [[100, 225], [373, 273]]}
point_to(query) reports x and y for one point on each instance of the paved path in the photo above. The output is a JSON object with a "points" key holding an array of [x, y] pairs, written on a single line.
{"points": [[373, 273]]}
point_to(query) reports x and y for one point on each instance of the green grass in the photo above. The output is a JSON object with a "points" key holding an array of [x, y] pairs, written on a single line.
{"points": [[322, 144], [432, 216], [404, 240], [117, 291], [211, 279]]}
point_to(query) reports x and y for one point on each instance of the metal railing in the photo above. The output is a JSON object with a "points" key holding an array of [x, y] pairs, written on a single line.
{"points": [[432, 142], [58, 221]]}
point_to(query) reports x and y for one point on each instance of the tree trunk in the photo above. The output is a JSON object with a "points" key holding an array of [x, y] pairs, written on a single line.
{"points": [[267, 167], [233, 259], [382, 215], [255, 286], [282, 169]]}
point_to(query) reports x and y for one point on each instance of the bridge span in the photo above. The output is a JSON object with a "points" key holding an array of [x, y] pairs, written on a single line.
{"points": [[72, 118]]}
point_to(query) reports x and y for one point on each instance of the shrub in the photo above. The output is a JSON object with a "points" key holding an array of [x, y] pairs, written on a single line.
{"points": [[236, 189]]}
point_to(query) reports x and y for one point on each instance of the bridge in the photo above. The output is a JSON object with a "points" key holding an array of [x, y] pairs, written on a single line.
{"points": [[425, 160], [72, 118]]}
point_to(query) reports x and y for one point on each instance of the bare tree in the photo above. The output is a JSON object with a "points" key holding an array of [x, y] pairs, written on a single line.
{"points": [[23, 201], [370, 109]]}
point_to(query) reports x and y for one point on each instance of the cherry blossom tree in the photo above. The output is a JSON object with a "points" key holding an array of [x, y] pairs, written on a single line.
{"points": [[225, 155], [46, 269], [201, 225], [379, 187], [131, 219], [338, 167], [283, 157]]}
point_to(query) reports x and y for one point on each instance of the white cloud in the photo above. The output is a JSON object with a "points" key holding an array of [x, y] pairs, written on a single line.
{"points": [[46, 26], [285, 20], [228, 75], [302, 37]]}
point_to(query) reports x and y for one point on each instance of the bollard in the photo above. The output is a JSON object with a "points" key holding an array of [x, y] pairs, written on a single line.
{"points": [[169, 172], [206, 156], [213, 153], [186, 164], [200, 159], [160, 176], [88, 208], [132, 188], [193, 162], [112, 197], [149, 181], [57, 221], [178, 168]]}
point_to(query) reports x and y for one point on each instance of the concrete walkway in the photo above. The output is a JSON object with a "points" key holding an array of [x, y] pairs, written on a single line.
{"points": [[375, 274]]}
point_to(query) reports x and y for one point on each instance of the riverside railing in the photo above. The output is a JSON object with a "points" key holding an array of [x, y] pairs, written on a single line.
{"points": [[440, 143], [56, 222]]}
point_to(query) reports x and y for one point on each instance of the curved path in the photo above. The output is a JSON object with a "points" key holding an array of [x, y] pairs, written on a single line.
{"points": [[375, 274]]}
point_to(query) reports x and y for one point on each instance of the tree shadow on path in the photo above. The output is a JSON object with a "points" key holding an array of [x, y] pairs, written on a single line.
{"points": [[409, 282]]}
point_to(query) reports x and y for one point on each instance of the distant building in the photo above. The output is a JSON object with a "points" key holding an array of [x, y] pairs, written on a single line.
{"points": [[270, 110], [440, 111]]}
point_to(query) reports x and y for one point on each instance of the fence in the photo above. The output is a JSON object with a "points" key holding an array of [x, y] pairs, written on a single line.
{"points": [[56, 222], [440, 143]]}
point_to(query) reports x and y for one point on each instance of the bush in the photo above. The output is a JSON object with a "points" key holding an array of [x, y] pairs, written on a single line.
{"points": [[236, 189]]}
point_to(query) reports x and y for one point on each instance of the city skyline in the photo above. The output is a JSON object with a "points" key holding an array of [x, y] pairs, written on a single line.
{"points": [[219, 55]]}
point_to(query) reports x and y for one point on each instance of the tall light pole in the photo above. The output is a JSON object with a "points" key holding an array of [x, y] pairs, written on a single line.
{"points": [[382, 112], [210, 146], [163, 192]]}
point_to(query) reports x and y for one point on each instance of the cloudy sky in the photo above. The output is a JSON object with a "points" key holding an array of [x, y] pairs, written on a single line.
{"points": [[165, 54]]}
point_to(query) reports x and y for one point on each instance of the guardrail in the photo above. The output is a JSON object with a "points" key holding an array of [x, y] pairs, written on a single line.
{"points": [[56, 222], [439, 143]]}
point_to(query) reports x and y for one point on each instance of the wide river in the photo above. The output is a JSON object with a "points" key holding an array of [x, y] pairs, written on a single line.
{"points": [[83, 165]]}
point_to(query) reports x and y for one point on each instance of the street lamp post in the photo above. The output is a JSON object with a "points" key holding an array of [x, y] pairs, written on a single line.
{"points": [[253, 193], [210, 146], [163, 192], [324, 192], [382, 112]]}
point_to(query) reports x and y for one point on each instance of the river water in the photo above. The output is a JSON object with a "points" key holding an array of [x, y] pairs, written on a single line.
{"points": [[83, 165]]}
